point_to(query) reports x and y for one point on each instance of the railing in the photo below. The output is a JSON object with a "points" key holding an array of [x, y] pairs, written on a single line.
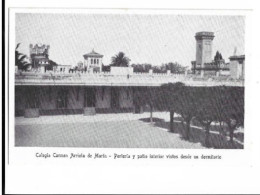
{"points": [[108, 79]]}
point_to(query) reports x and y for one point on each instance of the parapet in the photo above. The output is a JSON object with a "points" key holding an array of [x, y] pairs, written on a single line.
{"points": [[204, 35]]}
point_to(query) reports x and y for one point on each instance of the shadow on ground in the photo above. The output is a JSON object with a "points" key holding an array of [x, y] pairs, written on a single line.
{"points": [[217, 141]]}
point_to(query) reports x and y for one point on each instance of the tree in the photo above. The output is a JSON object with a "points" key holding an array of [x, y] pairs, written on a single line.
{"points": [[175, 67], [105, 68], [146, 96], [187, 107], [230, 107], [218, 56], [20, 59], [169, 99], [51, 65], [120, 60], [141, 67], [205, 109]]}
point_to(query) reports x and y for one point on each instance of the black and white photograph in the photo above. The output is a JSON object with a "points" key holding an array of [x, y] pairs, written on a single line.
{"points": [[143, 97], [129, 81]]}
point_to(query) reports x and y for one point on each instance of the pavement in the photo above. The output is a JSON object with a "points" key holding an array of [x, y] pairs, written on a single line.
{"points": [[123, 130]]}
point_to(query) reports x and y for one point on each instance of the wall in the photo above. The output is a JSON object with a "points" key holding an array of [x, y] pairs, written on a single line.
{"points": [[106, 93], [75, 99], [121, 70], [235, 69], [126, 97]]}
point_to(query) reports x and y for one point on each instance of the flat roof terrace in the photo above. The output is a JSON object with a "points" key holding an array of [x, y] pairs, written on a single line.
{"points": [[108, 79]]}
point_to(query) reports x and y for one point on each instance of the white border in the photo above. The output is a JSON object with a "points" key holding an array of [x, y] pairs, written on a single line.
{"points": [[169, 175]]}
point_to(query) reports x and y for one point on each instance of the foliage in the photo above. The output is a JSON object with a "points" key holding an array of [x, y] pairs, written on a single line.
{"points": [[206, 104], [120, 60], [230, 107], [146, 96], [51, 65], [105, 68], [141, 67], [169, 99], [175, 67], [218, 56], [20, 59]]}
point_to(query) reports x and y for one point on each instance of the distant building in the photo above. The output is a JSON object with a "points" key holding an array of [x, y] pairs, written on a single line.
{"points": [[62, 68], [237, 66], [204, 63], [93, 61], [39, 56]]}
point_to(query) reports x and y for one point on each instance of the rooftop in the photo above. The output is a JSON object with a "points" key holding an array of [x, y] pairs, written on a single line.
{"points": [[109, 79], [240, 57], [93, 54], [204, 35]]}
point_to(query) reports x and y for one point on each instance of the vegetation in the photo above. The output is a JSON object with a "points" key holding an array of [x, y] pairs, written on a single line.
{"points": [[203, 104], [20, 59], [147, 96], [141, 67], [169, 99], [174, 67], [51, 65], [218, 56], [120, 60]]}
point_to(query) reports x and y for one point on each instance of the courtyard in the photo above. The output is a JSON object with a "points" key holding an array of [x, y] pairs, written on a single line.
{"points": [[122, 130]]}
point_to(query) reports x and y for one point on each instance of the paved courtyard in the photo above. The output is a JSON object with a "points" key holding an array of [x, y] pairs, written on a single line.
{"points": [[102, 130]]}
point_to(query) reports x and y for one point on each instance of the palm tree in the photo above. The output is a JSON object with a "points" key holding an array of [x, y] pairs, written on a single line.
{"points": [[120, 60], [20, 59]]}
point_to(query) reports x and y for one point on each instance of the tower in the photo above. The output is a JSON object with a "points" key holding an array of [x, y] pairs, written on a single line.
{"points": [[203, 49], [39, 55], [93, 61]]}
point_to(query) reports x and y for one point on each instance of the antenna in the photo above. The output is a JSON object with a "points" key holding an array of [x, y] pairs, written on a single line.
{"points": [[235, 51]]}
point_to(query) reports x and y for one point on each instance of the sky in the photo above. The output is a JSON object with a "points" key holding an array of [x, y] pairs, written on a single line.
{"points": [[153, 39]]}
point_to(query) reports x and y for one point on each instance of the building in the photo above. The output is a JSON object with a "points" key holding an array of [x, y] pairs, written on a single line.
{"points": [[204, 65], [93, 91], [237, 66], [93, 61], [62, 68], [39, 56]]}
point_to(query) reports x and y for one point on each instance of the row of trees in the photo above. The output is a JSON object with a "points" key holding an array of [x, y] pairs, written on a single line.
{"points": [[205, 104], [174, 67], [121, 60]]}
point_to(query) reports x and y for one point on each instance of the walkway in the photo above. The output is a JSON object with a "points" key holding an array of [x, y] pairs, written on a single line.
{"points": [[102, 130]]}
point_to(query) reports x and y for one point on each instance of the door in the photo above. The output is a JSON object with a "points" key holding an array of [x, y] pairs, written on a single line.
{"points": [[115, 98], [90, 97]]}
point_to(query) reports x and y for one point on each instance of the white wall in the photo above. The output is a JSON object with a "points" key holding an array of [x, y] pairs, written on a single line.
{"points": [[121, 70]]}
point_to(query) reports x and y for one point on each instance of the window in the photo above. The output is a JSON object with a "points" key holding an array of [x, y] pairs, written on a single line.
{"points": [[91, 61], [94, 61], [97, 61]]}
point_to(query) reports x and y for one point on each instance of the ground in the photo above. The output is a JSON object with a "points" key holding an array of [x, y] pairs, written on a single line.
{"points": [[110, 131]]}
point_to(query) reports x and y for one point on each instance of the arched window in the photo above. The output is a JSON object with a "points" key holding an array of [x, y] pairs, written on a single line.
{"points": [[94, 61], [91, 61]]}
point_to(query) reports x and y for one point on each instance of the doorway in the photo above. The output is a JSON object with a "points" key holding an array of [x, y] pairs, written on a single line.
{"points": [[90, 97], [115, 98]]}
